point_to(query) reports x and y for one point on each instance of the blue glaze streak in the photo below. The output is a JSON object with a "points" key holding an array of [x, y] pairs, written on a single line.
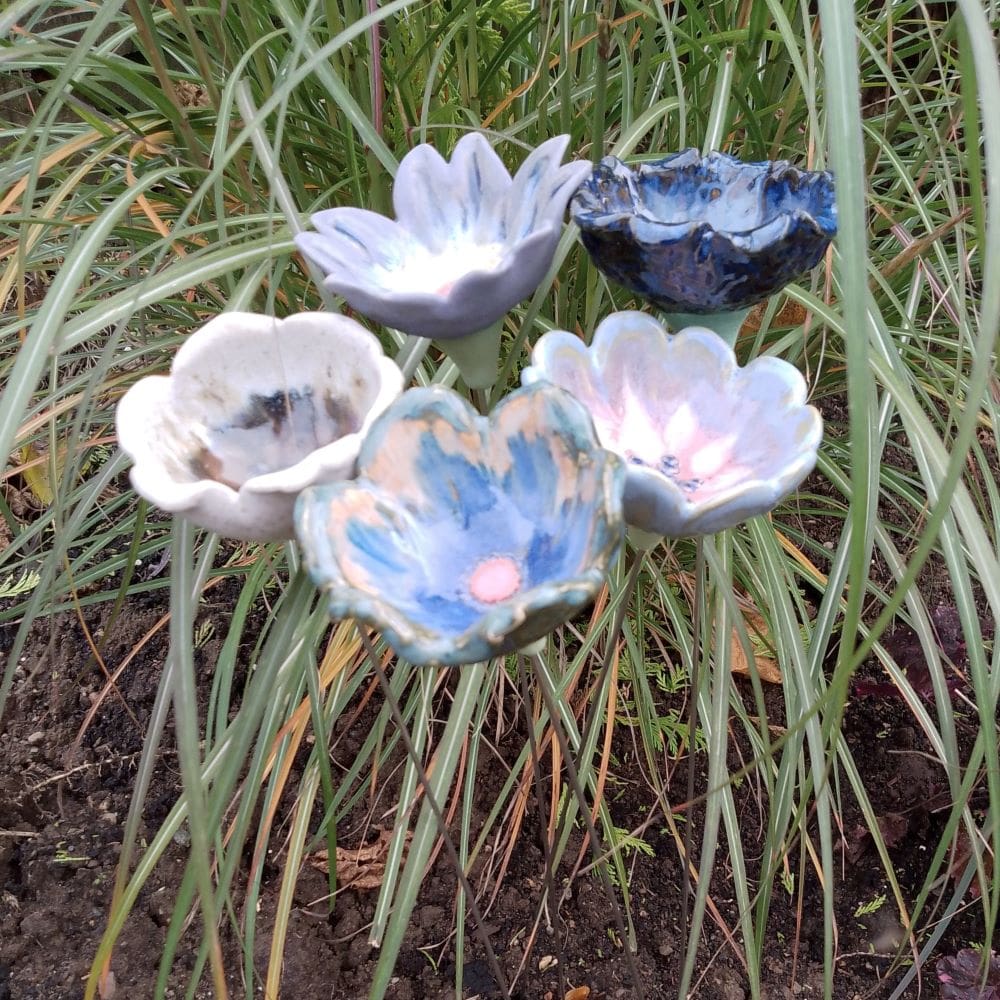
{"points": [[532, 479], [453, 482], [375, 548]]}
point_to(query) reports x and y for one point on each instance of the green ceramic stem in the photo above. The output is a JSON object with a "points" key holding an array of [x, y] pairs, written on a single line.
{"points": [[535, 648], [725, 324], [642, 541], [477, 355]]}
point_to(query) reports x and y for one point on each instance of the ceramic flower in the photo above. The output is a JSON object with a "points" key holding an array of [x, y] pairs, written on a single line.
{"points": [[708, 444], [710, 234], [465, 537], [468, 242], [254, 410]]}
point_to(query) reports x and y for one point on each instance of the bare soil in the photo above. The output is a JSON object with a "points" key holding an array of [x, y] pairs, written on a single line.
{"points": [[66, 778], [62, 810]]}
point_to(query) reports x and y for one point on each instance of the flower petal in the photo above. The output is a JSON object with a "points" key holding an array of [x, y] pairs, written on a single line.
{"points": [[444, 203], [359, 247], [541, 189]]}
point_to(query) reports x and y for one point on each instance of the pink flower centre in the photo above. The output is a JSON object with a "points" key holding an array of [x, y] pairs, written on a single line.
{"points": [[494, 579]]}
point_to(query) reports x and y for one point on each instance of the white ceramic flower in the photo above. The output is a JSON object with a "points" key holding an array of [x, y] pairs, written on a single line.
{"points": [[468, 242], [708, 443], [254, 410]]}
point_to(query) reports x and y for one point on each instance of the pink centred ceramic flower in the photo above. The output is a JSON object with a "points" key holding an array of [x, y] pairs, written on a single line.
{"points": [[254, 410], [709, 444], [466, 537]]}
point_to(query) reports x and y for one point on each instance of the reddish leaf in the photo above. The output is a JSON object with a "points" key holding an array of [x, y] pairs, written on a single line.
{"points": [[961, 976], [960, 859], [904, 647], [893, 827]]}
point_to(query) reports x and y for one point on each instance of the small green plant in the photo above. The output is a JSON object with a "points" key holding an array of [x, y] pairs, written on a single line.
{"points": [[872, 906], [18, 586], [203, 633], [63, 856]]}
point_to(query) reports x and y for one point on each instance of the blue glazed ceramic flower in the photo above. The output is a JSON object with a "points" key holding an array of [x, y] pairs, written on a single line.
{"points": [[710, 234], [708, 443], [468, 243], [465, 537]]}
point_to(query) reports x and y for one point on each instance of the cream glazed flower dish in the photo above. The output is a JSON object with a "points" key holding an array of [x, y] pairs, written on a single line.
{"points": [[254, 410]]}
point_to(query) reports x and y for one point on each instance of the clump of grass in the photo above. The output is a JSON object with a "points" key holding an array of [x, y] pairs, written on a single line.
{"points": [[154, 163]]}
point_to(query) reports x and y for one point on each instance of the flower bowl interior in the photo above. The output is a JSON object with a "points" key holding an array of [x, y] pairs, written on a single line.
{"points": [[269, 432], [493, 515], [739, 202], [706, 435], [720, 191], [252, 402], [422, 270]]}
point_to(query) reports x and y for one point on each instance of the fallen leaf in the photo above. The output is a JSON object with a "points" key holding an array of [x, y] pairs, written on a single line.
{"points": [[960, 860], [578, 993], [855, 840], [790, 314], [903, 645], [765, 666], [106, 986], [961, 976], [893, 827], [361, 868], [36, 471]]}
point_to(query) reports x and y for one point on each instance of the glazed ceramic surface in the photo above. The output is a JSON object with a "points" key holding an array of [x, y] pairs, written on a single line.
{"points": [[254, 410], [708, 444], [465, 537], [696, 234], [468, 242]]}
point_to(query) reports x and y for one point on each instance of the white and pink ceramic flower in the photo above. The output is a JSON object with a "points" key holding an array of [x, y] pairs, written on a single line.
{"points": [[709, 444], [254, 410]]}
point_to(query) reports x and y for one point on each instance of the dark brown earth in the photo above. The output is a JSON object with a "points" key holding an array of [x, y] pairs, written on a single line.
{"points": [[61, 816], [66, 778]]}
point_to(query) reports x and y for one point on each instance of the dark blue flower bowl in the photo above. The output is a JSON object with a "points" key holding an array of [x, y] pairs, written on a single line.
{"points": [[705, 234]]}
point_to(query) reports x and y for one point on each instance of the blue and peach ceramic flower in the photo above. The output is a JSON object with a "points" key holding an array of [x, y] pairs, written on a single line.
{"points": [[465, 537], [708, 443], [254, 410], [705, 234], [468, 242]]}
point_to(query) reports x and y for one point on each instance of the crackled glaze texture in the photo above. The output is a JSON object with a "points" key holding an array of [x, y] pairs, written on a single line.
{"points": [[468, 242], [465, 537], [708, 444], [710, 234], [254, 410]]}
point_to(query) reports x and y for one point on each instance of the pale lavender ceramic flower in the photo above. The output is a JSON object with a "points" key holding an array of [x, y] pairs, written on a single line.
{"points": [[468, 242], [465, 537], [254, 410], [709, 444]]}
